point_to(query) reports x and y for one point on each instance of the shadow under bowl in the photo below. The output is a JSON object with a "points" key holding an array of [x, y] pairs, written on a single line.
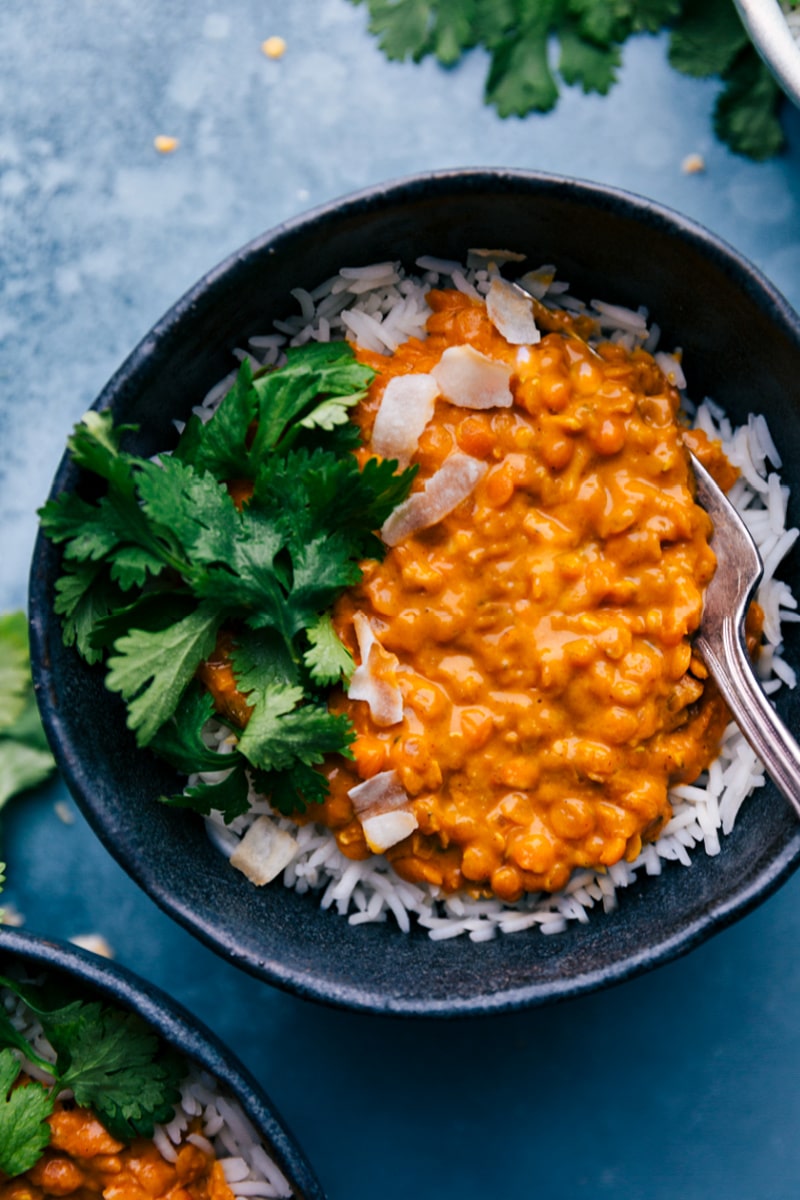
{"points": [[88, 977], [741, 345]]}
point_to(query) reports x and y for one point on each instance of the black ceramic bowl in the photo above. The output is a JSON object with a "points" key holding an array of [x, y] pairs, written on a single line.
{"points": [[86, 976], [741, 345]]}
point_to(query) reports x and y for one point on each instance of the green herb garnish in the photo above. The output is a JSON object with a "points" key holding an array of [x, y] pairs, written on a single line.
{"points": [[164, 560], [109, 1059], [25, 758], [707, 39]]}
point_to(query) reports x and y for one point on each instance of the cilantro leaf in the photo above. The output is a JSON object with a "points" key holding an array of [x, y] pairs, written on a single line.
{"points": [[401, 26], [14, 667], [290, 792], [22, 768], [165, 558], [286, 731], [582, 62], [326, 658], [24, 1110], [114, 1068], [219, 446], [453, 30], [492, 20], [291, 398], [151, 669], [230, 796], [95, 444], [707, 38], [520, 79], [745, 116], [603, 24], [649, 16], [25, 758], [180, 741]]}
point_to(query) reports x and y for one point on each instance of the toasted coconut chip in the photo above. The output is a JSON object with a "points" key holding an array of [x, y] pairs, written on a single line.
{"points": [[478, 257], [451, 484], [387, 829], [538, 282], [264, 851], [375, 679], [382, 793], [469, 379], [405, 409], [511, 313]]}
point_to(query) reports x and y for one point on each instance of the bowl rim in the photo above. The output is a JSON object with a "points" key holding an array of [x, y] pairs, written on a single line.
{"points": [[181, 1029], [304, 982]]}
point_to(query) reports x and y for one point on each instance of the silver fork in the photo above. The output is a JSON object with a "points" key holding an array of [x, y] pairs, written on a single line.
{"points": [[721, 643]]}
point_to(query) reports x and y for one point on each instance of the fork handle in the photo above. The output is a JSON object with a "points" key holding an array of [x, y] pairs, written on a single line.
{"points": [[733, 674]]}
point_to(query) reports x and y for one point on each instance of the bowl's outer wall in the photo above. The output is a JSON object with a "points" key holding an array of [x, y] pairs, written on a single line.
{"points": [[741, 345], [88, 976]]}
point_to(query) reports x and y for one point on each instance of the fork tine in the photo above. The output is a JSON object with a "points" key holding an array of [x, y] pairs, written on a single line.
{"points": [[720, 639]]}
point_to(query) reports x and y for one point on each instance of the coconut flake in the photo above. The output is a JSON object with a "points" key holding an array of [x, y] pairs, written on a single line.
{"points": [[511, 313], [478, 256], [538, 282], [264, 851], [387, 829], [470, 379], [405, 409], [382, 793], [443, 492], [375, 679]]}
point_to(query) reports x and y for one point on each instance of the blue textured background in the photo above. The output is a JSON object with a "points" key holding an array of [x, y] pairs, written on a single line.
{"points": [[682, 1083]]}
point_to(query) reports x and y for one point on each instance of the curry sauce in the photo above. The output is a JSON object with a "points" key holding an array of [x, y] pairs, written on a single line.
{"points": [[84, 1161], [543, 629], [540, 633]]}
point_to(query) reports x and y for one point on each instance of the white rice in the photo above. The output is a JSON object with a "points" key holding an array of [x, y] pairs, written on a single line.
{"points": [[226, 1131], [380, 307]]}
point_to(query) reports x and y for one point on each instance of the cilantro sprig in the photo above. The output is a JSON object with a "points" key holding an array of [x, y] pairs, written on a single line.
{"points": [[535, 45], [109, 1060], [165, 560]]}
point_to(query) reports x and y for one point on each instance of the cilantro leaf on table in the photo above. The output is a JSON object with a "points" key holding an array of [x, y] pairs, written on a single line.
{"points": [[24, 1110], [707, 39], [251, 529], [25, 758], [401, 26], [584, 63], [14, 667], [520, 79], [745, 114]]}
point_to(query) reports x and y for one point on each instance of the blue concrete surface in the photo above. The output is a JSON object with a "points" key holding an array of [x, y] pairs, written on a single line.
{"points": [[681, 1083]]}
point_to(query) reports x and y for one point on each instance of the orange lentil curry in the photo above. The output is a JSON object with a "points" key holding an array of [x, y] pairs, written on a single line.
{"points": [[540, 633], [84, 1161]]}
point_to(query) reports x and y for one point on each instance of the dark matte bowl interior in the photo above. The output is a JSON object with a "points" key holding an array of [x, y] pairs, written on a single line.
{"points": [[96, 978], [741, 345]]}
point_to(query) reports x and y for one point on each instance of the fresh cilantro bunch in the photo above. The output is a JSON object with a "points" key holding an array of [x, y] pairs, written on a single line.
{"points": [[110, 1061], [25, 759], [164, 560], [584, 39]]}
